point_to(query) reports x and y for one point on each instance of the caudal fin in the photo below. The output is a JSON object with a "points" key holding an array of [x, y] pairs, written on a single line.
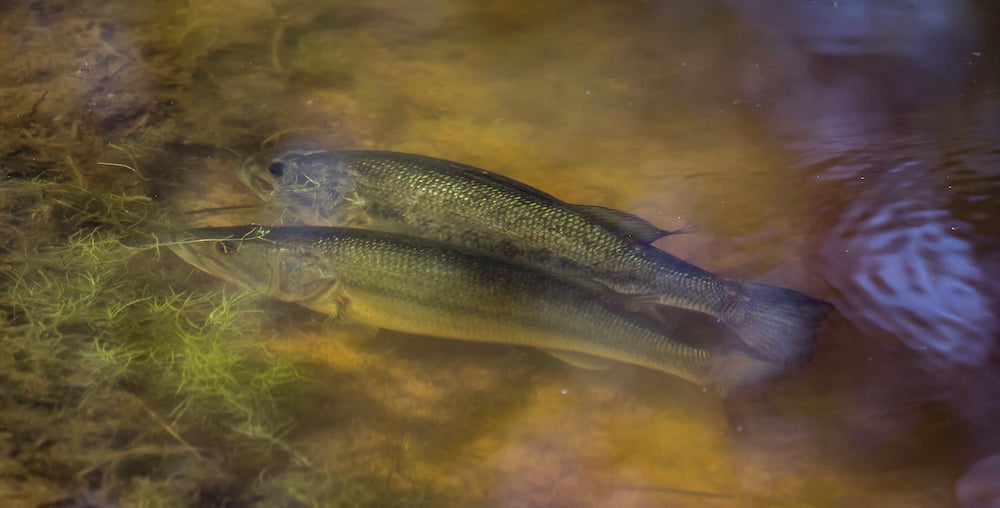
{"points": [[778, 323], [733, 368]]}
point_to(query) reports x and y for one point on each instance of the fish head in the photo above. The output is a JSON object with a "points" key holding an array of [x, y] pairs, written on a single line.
{"points": [[314, 188], [282, 268]]}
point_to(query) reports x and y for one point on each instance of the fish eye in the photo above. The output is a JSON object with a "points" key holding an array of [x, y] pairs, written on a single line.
{"points": [[276, 168], [225, 247]]}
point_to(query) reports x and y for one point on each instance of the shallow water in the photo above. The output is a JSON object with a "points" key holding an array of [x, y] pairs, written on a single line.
{"points": [[817, 145]]}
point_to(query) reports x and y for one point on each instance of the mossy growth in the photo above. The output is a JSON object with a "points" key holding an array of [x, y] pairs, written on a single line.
{"points": [[125, 383]]}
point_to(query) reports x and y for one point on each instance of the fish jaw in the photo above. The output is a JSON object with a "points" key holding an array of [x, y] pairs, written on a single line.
{"points": [[238, 255], [198, 253], [309, 187], [288, 174], [254, 176]]}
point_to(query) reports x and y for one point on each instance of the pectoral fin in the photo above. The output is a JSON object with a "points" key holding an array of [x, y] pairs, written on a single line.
{"points": [[640, 304]]}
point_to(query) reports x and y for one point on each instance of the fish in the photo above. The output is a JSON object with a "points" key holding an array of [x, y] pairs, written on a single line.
{"points": [[418, 286], [488, 212]]}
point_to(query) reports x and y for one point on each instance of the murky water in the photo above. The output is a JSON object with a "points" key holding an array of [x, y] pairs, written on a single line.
{"points": [[844, 149]]}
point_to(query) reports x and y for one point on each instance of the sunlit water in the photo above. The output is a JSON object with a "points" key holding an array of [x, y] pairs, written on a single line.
{"points": [[818, 145]]}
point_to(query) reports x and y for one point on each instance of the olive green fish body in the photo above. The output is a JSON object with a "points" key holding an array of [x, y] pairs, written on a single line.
{"points": [[483, 211], [418, 286], [440, 200], [479, 210]]}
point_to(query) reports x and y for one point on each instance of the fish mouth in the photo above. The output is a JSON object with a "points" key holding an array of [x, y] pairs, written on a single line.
{"points": [[250, 174], [204, 254], [189, 249]]}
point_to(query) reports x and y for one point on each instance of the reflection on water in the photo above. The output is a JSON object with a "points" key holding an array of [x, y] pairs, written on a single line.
{"points": [[913, 269], [880, 104], [845, 149]]}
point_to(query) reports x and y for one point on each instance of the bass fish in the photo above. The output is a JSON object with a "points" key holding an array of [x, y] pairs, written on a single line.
{"points": [[419, 286], [487, 212]]}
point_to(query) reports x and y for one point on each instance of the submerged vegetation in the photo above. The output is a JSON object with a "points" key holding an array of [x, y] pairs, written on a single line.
{"points": [[121, 387], [128, 381]]}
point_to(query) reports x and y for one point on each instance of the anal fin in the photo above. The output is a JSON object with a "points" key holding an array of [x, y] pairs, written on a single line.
{"points": [[582, 361]]}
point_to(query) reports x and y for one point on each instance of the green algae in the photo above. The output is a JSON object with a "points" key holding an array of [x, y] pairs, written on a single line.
{"points": [[124, 386]]}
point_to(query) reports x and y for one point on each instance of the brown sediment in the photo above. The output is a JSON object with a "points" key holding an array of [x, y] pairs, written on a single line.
{"points": [[129, 380]]}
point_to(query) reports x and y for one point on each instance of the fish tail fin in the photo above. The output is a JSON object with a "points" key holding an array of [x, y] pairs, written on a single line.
{"points": [[781, 324], [731, 369]]}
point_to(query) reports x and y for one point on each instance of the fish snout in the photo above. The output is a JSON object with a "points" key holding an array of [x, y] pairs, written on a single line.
{"points": [[258, 178]]}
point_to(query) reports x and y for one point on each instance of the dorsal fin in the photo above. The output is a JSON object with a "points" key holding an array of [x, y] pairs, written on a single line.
{"points": [[632, 228]]}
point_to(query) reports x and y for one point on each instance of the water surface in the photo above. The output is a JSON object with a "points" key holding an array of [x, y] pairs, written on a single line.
{"points": [[843, 149]]}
